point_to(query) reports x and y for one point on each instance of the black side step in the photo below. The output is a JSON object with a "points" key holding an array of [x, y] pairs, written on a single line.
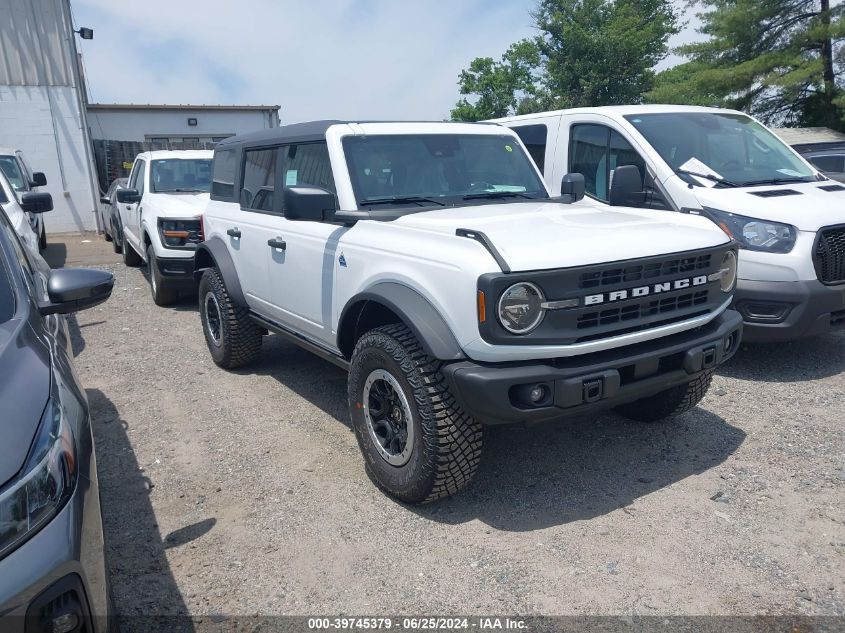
{"points": [[482, 239], [298, 339]]}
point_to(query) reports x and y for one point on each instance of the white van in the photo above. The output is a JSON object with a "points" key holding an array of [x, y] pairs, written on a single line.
{"points": [[788, 218]]}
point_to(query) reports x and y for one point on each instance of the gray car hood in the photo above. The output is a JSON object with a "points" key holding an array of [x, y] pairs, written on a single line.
{"points": [[24, 391]]}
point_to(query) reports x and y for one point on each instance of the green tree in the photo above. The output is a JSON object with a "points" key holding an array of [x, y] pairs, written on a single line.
{"points": [[500, 86], [779, 60], [587, 53]]}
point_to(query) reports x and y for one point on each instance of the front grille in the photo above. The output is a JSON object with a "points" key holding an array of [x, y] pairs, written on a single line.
{"points": [[639, 272], [829, 255], [641, 310]]}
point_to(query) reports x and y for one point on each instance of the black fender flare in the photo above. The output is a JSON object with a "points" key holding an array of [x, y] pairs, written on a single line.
{"points": [[416, 312], [211, 253]]}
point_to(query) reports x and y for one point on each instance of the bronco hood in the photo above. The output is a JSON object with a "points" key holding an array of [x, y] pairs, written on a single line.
{"points": [[805, 205], [178, 205], [545, 235]]}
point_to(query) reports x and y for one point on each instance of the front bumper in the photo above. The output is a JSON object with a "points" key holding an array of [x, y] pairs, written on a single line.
{"points": [[497, 393], [787, 310], [61, 565], [178, 271]]}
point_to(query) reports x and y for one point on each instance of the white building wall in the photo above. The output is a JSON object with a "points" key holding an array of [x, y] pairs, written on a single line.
{"points": [[141, 124], [26, 123]]}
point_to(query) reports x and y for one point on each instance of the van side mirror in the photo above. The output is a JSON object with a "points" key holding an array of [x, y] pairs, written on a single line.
{"points": [[572, 187], [105, 199], [128, 196], [74, 289], [36, 202], [39, 179], [626, 188], [304, 202]]}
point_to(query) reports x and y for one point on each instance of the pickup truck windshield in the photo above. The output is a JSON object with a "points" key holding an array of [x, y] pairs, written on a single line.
{"points": [[13, 173], [731, 148], [440, 169], [177, 175]]}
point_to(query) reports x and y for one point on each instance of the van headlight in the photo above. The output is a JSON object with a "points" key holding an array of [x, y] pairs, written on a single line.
{"points": [[754, 234], [520, 308], [46, 483]]}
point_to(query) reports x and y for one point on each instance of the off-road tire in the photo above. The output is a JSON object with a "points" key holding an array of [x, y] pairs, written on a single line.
{"points": [[130, 257], [240, 337], [163, 294], [446, 449], [42, 239], [117, 239], [669, 403]]}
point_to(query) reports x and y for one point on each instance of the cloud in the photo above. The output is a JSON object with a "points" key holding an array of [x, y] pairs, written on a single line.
{"points": [[376, 59]]}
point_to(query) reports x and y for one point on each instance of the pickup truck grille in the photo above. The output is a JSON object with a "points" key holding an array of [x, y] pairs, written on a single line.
{"points": [[829, 255], [607, 300]]}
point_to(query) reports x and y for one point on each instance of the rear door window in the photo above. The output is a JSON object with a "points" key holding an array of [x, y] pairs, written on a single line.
{"points": [[259, 179], [223, 175]]}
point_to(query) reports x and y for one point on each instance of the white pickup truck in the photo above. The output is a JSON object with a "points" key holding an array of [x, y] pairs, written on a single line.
{"points": [[788, 218], [429, 260], [160, 215]]}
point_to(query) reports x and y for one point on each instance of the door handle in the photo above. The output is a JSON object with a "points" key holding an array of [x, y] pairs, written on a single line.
{"points": [[277, 243], [235, 232]]}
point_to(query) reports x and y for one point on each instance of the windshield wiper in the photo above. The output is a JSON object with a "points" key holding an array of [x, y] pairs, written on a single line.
{"points": [[774, 181], [181, 191], [399, 200], [716, 179], [498, 194]]}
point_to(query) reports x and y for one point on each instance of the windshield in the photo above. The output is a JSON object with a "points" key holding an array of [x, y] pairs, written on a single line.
{"points": [[442, 169], [13, 173], [181, 174], [731, 148]]}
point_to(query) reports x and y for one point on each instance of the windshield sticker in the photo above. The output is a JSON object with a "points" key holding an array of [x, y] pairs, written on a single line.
{"points": [[699, 171], [509, 148], [291, 177], [506, 188], [790, 172]]}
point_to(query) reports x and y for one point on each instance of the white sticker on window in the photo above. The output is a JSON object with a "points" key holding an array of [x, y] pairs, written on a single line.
{"points": [[291, 176], [790, 172], [700, 171]]}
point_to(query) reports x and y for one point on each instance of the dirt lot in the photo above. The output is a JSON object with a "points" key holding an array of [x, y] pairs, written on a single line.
{"points": [[244, 493]]}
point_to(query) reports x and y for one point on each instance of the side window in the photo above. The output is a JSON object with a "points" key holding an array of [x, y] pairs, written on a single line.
{"points": [[621, 154], [828, 163], [588, 149], [12, 170], [27, 272], [27, 170], [223, 175], [535, 138], [258, 180], [141, 177], [308, 164]]}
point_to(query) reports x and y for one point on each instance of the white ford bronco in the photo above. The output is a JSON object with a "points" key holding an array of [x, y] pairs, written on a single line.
{"points": [[160, 215], [429, 260]]}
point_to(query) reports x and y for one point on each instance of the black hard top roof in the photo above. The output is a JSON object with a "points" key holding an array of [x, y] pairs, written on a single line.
{"points": [[309, 131]]}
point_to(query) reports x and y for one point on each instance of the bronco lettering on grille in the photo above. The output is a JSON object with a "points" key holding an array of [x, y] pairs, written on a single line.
{"points": [[642, 291]]}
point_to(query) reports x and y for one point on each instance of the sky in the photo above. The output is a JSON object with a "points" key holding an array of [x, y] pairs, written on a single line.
{"points": [[345, 59]]}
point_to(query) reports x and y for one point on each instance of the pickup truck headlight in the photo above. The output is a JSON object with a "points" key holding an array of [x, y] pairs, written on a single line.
{"points": [[728, 272], [754, 234], [46, 483], [519, 308], [180, 233]]}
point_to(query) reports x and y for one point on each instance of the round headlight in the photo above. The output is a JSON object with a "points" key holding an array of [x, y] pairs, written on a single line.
{"points": [[728, 270], [519, 308]]}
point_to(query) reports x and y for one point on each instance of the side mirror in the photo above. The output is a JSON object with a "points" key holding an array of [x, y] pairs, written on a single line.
{"points": [[626, 188], [128, 196], [105, 199], [36, 202], [39, 179], [307, 203], [572, 187], [74, 289]]}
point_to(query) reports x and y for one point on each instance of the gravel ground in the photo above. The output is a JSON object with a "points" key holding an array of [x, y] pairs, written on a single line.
{"points": [[245, 493]]}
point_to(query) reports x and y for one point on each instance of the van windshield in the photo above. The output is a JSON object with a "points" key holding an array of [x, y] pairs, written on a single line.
{"points": [[440, 169], [728, 149], [177, 175]]}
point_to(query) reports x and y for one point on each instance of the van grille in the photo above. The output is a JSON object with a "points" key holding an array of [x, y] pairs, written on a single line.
{"points": [[829, 255]]}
